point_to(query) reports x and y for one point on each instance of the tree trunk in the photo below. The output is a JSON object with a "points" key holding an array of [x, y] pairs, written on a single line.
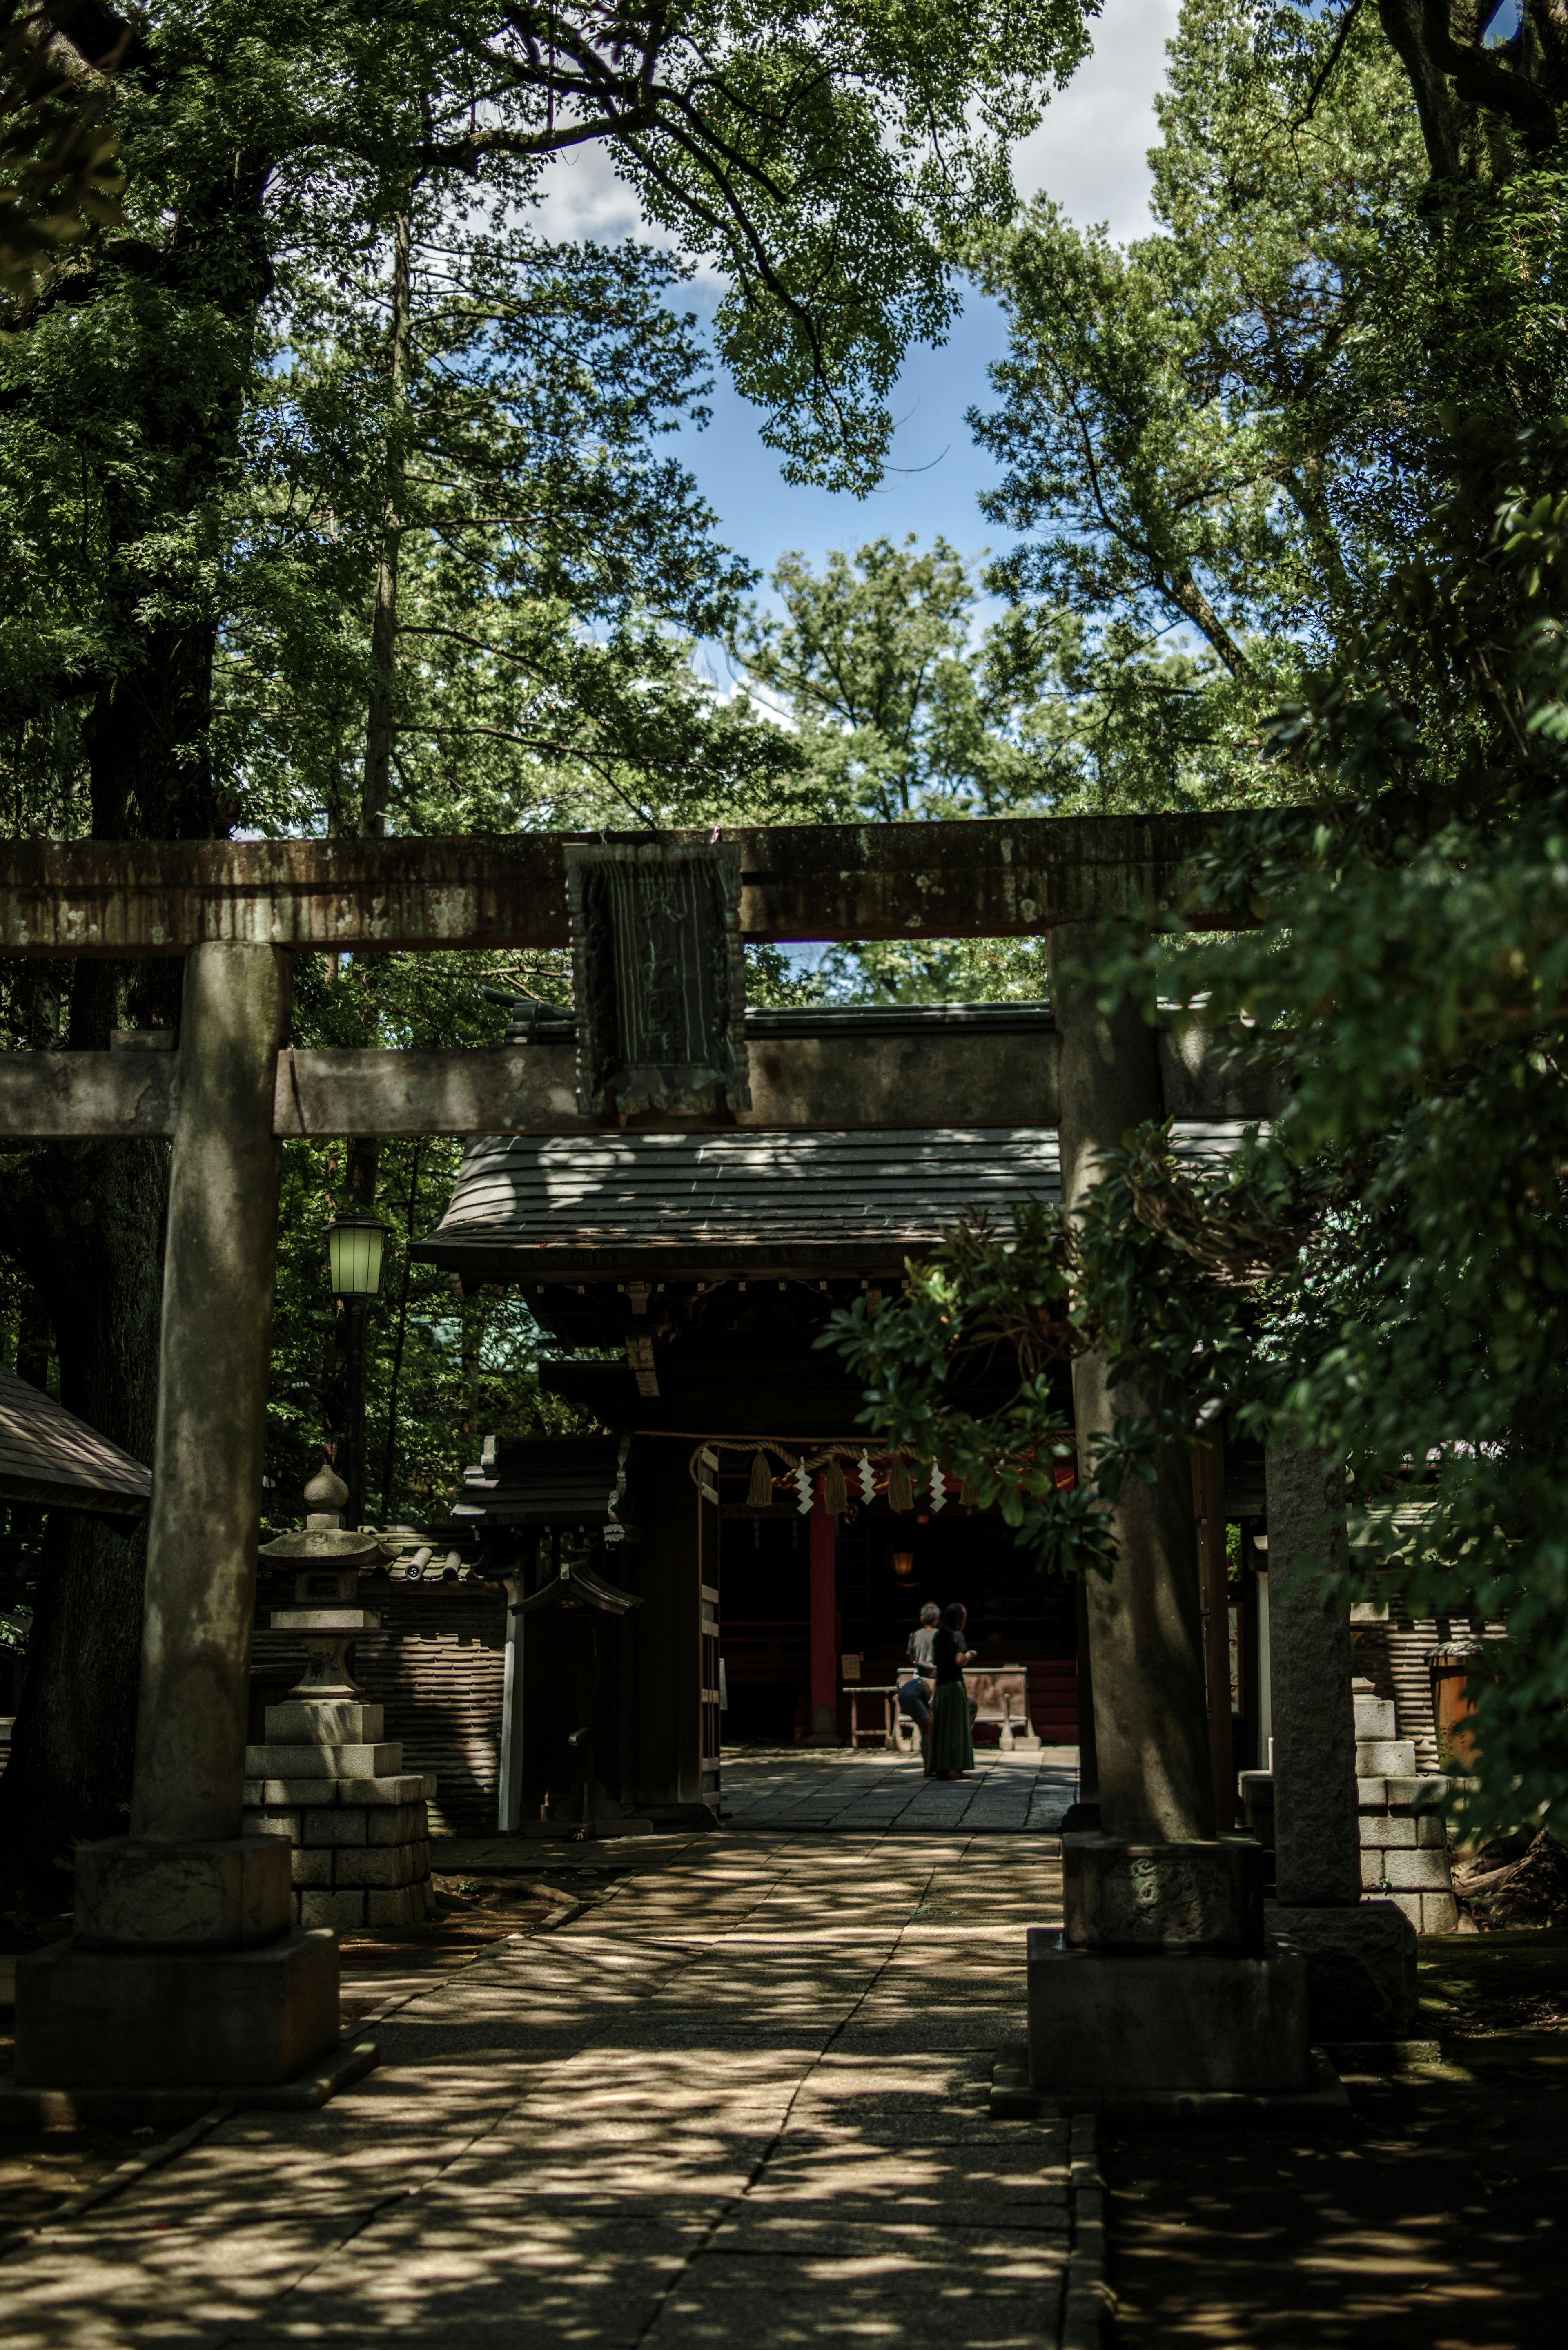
{"points": [[381, 720], [86, 1220]]}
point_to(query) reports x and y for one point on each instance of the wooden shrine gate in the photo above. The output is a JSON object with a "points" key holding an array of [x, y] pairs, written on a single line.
{"points": [[234, 1089]]}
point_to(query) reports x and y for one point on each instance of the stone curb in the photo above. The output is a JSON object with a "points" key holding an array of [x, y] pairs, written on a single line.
{"points": [[1381, 2055], [1087, 2302], [125, 2174], [1325, 2100], [46, 2109]]}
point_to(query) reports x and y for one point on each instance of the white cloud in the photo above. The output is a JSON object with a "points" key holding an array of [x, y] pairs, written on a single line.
{"points": [[1090, 151], [581, 196]]}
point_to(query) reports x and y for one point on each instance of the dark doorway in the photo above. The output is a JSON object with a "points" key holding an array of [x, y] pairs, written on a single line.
{"points": [[761, 1713]]}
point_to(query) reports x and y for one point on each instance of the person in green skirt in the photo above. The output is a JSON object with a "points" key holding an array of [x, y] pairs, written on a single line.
{"points": [[949, 1748]]}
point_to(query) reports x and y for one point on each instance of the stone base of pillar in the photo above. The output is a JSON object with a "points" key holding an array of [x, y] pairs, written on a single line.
{"points": [[1360, 1964], [1104, 2024], [825, 1727], [1119, 1895], [222, 1893], [114, 2019]]}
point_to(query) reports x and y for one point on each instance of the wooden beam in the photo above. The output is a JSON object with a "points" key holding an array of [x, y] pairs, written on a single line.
{"points": [[984, 879]]}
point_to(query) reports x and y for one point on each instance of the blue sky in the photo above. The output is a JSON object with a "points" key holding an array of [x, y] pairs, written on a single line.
{"points": [[1089, 153]]}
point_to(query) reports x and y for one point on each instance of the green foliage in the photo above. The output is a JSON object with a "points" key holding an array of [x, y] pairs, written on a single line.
{"points": [[1304, 423], [1232, 430], [1160, 1276], [1387, 1276], [898, 712], [825, 159], [58, 167], [977, 1292], [551, 569]]}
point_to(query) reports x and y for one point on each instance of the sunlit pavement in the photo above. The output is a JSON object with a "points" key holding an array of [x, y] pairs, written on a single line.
{"points": [[743, 2094], [832, 1787]]}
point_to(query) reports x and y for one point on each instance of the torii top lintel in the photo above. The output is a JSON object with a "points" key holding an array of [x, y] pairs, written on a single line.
{"points": [[973, 878]]}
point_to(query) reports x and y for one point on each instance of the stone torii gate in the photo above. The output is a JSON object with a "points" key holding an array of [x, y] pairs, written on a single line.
{"points": [[182, 1971]]}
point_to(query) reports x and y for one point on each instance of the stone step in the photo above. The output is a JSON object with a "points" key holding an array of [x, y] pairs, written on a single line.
{"points": [[1421, 1869], [363, 1865], [1406, 1791], [1385, 1758], [325, 1722], [1386, 1832], [1375, 1717], [358, 1823], [377, 1760], [325, 1619], [400, 1788], [350, 1909]]}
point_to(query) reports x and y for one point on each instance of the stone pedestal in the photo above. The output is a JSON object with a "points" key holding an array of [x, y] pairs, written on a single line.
{"points": [[159, 2019], [358, 1838], [1101, 2025], [1117, 1895], [324, 1779], [182, 1971], [1162, 1978], [1360, 1963], [229, 1893]]}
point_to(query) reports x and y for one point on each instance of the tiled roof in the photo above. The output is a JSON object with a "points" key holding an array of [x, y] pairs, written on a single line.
{"points": [[47, 1455], [544, 1480], [554, 1206]]}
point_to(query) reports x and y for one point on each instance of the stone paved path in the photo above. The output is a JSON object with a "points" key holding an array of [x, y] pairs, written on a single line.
{"points": [[742, 2100], [870, 1788]]}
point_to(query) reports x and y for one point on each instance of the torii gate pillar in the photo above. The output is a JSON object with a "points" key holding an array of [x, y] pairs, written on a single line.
{"points": [[184, 1971], [1109, 2013]]}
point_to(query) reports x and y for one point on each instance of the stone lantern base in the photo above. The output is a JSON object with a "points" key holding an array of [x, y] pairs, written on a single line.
{"points": [[327, 1782]]}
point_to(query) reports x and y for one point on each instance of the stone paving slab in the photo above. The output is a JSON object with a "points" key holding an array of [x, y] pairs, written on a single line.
{"points": [[838, 1787], [659, 2124]]}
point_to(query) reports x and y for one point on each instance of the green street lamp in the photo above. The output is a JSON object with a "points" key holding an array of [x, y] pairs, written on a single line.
{"points": [[354, 1251]]}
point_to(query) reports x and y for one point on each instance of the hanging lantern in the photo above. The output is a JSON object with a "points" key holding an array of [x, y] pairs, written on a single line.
{"points": [[900, 1486], [760, 1491], [802, 1487], [867, 1480], [903, 1564], [834, 1492], [939, 1488]]}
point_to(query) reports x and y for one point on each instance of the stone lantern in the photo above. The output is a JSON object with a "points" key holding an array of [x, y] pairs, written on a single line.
{"points": [[324, 1775]]}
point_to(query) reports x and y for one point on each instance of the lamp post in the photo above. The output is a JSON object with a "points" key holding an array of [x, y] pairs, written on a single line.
{"points": [[354, 1246]]}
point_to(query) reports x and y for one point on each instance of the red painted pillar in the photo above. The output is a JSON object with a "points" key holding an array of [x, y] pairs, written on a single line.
{"points": [[824, 1624]]}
